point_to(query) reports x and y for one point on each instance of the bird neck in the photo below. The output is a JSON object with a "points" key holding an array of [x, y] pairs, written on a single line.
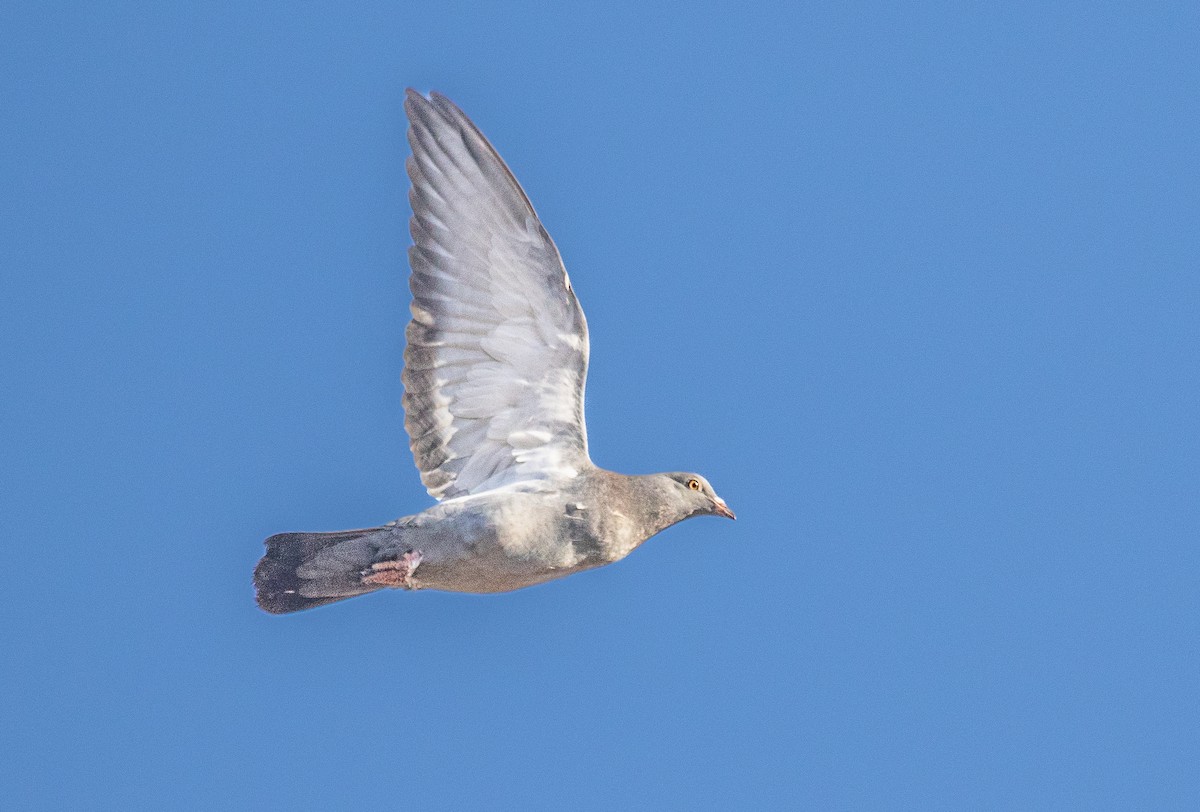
{"points": [[651, 495]]}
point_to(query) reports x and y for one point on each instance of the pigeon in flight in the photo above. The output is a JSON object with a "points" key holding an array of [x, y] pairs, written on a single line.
{"points": [[493, 375]]}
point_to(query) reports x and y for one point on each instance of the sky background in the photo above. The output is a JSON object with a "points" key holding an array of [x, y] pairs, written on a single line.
{"points": [[914, 286]]}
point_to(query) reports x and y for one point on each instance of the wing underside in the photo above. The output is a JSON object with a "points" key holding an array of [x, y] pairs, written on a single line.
{"points": [[497, 347]]}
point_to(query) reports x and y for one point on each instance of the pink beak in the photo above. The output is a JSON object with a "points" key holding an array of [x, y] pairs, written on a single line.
{"points": [[723, 509]]}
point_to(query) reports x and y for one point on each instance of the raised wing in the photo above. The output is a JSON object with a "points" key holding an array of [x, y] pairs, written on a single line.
{"points": [[497, 347]]}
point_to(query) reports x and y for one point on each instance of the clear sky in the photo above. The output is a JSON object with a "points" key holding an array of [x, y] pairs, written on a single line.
{"points": [[914, 286]]}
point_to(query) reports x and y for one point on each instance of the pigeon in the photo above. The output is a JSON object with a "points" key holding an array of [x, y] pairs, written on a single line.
{"points": [[494, 372]]}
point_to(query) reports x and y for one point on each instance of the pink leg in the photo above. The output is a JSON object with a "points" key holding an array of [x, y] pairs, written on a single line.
{"points": [[396, 573]]}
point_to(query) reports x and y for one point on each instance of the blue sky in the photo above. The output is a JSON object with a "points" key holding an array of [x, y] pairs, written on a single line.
{"points": [[914, 285]]}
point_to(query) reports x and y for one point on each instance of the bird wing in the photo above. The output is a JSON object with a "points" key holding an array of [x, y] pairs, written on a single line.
{"points": [[497, 349]]}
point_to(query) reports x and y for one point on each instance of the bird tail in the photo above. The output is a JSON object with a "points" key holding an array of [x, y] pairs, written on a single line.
{"points": [[306, 570]]}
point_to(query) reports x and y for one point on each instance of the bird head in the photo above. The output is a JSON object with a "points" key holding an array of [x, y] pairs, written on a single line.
{"points": [[698, 495]]}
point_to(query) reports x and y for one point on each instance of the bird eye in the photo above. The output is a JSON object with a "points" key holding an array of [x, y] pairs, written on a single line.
{"points": [[694, 484]]}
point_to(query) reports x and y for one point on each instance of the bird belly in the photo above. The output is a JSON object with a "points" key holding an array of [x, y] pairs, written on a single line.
{"points": [[518, 546]]}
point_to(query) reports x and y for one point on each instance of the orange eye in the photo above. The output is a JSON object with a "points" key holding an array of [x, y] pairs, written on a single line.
{"points": [[694, 484]]}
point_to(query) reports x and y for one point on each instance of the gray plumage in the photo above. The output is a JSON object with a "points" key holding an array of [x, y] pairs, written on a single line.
{"points": [[494, 382]]}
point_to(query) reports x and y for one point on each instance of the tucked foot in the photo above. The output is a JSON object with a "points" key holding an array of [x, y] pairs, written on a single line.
{"points": [[396, 573]]}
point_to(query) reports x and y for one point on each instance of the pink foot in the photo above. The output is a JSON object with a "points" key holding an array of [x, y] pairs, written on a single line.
{"points": [[396, 573]]}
